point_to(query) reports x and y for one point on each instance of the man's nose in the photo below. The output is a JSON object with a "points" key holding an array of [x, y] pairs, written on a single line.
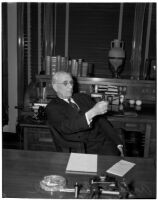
{"points": [[70, 85]]}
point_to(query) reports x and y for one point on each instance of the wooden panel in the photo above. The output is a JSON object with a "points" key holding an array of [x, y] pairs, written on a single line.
{"points": [[152, 43], [92, 27], [34, 39], [136, 56], [127, 34], [60, 29], [4, 65], [39, 139]]}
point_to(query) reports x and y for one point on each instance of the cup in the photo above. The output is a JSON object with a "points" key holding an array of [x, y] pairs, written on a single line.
{"points": [[131, 101], [138, 102]]}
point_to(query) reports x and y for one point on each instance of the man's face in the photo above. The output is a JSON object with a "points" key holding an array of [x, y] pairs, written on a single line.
{"points": [[64, 86]]}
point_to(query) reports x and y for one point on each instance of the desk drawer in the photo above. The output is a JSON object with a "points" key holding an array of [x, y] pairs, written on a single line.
{"points": [[40, 139], [36, 134], [130, 126]]}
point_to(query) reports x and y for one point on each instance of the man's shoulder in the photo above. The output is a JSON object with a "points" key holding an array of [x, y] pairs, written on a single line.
{"points": [[52, 102]]}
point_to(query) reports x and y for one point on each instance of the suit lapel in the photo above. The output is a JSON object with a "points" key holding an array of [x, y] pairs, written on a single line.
{"points": [[65, 105]]}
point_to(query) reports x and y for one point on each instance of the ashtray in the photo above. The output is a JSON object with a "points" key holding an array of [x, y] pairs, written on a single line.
{"points": [[53, 183]]}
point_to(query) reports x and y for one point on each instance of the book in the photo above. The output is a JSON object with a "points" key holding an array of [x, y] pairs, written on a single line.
{"points": [[53, 65], [79, 163], [48, 65], [74, 67], [120, 168]]}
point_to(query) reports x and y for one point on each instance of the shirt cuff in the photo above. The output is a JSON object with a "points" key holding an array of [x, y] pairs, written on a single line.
{"points": [[119, 146], [88, 121]]}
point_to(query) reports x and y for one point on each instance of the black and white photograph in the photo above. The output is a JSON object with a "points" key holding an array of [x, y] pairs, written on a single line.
{"points": [[79, 99]]}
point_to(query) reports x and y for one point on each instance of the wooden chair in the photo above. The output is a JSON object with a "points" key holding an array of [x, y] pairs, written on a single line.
{"points": [[63, 145]]}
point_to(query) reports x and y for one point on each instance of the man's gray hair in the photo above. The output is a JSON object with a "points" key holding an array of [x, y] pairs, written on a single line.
{"points": [[56, 76]]}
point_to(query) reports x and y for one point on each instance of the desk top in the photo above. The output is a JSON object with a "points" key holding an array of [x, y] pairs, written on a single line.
{"points": [[23, 170]]}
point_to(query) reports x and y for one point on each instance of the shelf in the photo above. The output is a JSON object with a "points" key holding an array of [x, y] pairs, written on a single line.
{"points": [[96, 80], [135, 89]]}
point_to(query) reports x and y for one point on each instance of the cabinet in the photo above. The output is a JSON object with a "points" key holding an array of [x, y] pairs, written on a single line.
{"points": [[141, 124], [36, 137]]}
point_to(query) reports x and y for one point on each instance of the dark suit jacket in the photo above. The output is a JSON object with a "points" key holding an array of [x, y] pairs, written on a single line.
{"points": [[73, 124]]}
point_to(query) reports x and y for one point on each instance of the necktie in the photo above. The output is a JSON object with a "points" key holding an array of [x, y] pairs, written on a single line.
{"points": [[73, 105]]}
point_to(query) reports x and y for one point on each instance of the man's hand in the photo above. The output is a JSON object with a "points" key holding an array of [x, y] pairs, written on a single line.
{"points": [[99, 108], [120, 148]]}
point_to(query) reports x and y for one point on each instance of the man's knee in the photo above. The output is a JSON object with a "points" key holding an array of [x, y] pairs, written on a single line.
{"points": [[109, 148]]}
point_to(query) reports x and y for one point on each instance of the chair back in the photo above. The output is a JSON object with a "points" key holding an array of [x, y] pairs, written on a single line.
{"points": [[64, 145]]}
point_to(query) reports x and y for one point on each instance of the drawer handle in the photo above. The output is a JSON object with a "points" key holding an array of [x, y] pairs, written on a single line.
{"points": [[45, 140], [131, 125]]}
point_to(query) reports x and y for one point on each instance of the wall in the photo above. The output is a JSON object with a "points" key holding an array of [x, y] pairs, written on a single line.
{"points": [[12, 68]]}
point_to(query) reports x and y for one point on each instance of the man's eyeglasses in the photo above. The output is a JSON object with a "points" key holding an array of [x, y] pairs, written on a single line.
{"points": [[65, 83]]}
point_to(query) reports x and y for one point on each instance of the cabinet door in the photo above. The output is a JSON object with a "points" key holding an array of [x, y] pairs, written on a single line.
{"points": [[38, 139]]}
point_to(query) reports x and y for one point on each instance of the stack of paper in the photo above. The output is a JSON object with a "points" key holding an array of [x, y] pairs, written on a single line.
{"points": [[82, 164], [120, 168]]}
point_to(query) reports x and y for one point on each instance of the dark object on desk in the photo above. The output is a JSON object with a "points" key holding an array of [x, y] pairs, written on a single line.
{"points": [[95, 191], [110, 185], [77, 187], [103, 183], [64, 145], [42, 113]]}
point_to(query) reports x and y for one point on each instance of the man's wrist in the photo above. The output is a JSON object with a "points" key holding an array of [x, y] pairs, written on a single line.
{"points": [[119, 146], [90, 115], [88, 120]]}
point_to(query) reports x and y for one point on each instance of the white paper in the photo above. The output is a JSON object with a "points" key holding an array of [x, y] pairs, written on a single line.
{"points": [[120, 168], [86, 163]]}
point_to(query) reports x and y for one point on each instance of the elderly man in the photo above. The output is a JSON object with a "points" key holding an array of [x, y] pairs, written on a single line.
{"points": [[77, 117]]}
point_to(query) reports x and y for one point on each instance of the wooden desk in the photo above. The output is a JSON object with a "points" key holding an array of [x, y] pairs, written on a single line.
{"points": [[23, 170], [38, 136], [141, 123]]}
